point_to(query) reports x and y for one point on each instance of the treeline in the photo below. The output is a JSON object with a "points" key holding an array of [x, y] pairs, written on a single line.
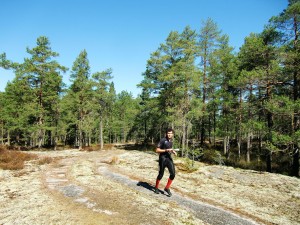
{"points": [[37, 110], [225, 106], [247, 100]]}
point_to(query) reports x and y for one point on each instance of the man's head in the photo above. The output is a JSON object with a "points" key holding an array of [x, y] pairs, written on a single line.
{"points": [[169, 133]]}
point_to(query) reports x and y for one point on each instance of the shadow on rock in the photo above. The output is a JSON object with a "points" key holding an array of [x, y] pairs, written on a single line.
{"points": [[145, 185]]}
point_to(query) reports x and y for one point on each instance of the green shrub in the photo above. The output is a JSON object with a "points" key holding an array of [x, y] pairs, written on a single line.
{"points": [[212, 156], [187, 166]]}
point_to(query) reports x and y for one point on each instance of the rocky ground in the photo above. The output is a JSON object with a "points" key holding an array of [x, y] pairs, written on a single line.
{"points": [[115, 187]]}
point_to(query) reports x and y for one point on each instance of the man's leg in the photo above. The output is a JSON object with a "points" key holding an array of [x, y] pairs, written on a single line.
{"points": [[160, 175], [169, 183], [156, 186], [171, 169]]}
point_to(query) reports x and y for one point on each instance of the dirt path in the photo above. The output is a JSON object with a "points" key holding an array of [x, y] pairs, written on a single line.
{"points": [[113, 194], [115, 187], [90, 184]]}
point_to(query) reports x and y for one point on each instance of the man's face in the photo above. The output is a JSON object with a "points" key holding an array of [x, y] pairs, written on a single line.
{"points": [[170, 135]]}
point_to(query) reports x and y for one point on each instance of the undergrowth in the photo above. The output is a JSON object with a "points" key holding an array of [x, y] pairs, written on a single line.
{"points": [[14, 160], [187, 165]]}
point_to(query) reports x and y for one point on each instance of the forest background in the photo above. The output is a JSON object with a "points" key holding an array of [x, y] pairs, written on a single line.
{"points": [[240, 109]]}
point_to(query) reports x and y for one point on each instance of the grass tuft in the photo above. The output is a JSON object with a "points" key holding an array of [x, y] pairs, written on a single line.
{"points": [[114, 160], [187, 166], [45, 160]]}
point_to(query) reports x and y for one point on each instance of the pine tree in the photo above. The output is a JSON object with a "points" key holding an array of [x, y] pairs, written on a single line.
{"points": [[36, 88], [223, 69], [111, 106], [208, 41], [102, 98], [82, 96], [45, 80], [288, 22], [125, 112]]}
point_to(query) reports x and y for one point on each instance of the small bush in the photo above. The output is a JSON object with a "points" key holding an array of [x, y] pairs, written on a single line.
{"points": [[14, 160], [187, 166], [108, 146], [212, 156], [45, 160]]}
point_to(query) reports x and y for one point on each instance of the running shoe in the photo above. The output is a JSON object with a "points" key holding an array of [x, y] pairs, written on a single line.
{"points": [[168, 191]]}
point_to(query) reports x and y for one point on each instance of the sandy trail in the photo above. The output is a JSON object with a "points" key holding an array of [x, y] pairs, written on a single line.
{"points": [[90, 184]]}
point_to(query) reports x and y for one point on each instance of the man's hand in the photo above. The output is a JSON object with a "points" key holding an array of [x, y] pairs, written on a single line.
{"points": [[172, 151]]}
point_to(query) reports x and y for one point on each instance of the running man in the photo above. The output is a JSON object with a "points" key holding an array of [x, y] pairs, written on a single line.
{"points": [[164, 148]]}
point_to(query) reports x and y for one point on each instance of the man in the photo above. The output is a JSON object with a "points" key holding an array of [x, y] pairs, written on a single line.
{"points": [[164, 148]]}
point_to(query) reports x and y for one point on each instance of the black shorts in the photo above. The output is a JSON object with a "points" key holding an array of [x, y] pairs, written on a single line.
{"points": [[164, 162]]}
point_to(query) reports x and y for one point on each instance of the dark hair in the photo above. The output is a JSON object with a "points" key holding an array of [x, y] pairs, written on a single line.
{"points": [[169, 130]]}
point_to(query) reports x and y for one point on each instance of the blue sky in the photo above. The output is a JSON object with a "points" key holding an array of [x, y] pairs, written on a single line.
{"points": [[120, 34]]}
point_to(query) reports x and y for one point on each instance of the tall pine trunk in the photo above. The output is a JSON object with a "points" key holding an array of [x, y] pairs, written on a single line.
{"points": [[8, 137], [295, 165], [249, 146], [80, 136], [101, 132], [2, 134], [204, 98], [239, 141], [226, 146], [40, 133]]}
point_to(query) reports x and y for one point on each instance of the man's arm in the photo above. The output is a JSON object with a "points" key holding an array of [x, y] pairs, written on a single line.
{"points": [[159, 150]]}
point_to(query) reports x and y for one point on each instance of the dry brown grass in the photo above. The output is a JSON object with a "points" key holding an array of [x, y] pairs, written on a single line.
{"points": [[109, 146], [97, 147], [89, 148], [14, 160], [45, 160]]}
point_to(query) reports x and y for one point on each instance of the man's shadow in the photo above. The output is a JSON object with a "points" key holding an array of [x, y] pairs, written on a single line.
{"points": [[147, 186]]}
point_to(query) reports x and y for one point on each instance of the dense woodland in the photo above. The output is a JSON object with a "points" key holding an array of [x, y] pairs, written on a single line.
{"points": [[235, 108]]}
